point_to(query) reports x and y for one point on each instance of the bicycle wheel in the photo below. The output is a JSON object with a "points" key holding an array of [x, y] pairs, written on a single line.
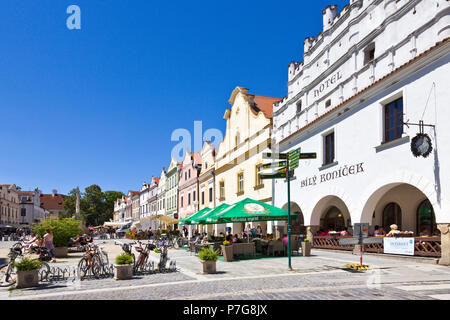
{"points": [[83, 266], [96, 266], [8, 275]]}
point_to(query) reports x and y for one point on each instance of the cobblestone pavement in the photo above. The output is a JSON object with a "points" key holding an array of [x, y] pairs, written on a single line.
{"points": [[321, 276]]}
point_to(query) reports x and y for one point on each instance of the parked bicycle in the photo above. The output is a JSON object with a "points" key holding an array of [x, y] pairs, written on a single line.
{"points": [[142, 259], [90, 262], [127, 248]]}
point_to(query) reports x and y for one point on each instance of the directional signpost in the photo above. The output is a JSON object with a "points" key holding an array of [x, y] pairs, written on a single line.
{"points": [[292, 161]]}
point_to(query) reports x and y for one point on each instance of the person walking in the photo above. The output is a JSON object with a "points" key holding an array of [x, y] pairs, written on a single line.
{"points": [[48, 243]]}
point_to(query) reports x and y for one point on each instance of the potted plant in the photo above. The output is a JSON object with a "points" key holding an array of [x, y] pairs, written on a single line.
{"points": [[123, 268], [62, 230], [209, 258], [27, 272], [306, 248], [227, 251]]}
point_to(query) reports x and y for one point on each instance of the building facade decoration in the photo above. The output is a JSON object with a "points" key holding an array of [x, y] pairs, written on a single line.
{"points": [[207, 198], [172, 180], [188, 184], [9, 204]]}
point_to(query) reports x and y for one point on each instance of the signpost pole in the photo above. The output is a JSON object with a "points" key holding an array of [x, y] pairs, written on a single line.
{"points": [[288, 176]]}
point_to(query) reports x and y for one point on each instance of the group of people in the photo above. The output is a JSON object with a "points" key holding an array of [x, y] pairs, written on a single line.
{"points": [[32, 241]]}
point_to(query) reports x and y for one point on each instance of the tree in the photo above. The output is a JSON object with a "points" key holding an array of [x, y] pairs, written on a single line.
{"points": [[96, 206]]}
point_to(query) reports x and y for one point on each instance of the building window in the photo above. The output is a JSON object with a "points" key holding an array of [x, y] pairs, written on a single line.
{"points": [[240, 183], [237, 139], [259, 180], [393, 120], [23, 212], [392, 214], [185, 175], [426, 221], [203, 197], [329, 148], [328, 103], [222, 190], [189, 174], [333, 220], [369, 53], [189, 199], [181, 202], [193, 196], [210, 195], [206, 165], [299, 106]]}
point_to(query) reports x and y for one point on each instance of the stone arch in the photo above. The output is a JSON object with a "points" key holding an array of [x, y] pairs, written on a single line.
{"points": [[319, 205], [374, 193], [323, 206]]}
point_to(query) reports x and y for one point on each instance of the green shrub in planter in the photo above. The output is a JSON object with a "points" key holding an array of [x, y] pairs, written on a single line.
{"points": [[27, 264], [124, 258], [62, 229], [207, 254]]}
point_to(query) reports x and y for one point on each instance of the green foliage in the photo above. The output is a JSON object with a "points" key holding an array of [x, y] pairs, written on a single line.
{"points": [[124, 258], [206, 254], [96, 206], [27, 264], [156, 250], [62, 229]]}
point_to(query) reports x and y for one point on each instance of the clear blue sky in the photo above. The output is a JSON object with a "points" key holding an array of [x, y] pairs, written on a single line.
{"points": [[98, 105]]}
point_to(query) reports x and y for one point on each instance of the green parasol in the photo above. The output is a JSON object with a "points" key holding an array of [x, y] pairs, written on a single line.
{"points": [[188, 219], [247, 210], [203, 219]]}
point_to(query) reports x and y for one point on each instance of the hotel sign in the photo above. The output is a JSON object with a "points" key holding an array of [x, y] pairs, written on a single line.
{"points": [[399, 245], [327, 83], [336, 174]]}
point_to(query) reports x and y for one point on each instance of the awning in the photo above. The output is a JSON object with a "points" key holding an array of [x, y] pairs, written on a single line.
{"points": [[203, 219], [167, 220], [248, 210], [114, 224], [190, 218]]}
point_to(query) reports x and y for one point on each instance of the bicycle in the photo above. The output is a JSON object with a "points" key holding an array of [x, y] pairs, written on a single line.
{"points": [[90, 262], [143, 256]]}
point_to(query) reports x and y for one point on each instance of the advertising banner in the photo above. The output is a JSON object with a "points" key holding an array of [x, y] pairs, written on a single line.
{"points": [[399, 246]]}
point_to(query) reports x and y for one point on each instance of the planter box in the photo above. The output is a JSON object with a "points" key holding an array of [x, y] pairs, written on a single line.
{"points": [[61, 252], [227, 253], [123, 271], [209, 267], [27, 279], [306, 249]]}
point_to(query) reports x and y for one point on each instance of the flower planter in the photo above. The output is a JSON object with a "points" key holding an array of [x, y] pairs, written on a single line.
{"points": [[61, 252], [123, 271], [227, 253], [27, 279], [306, 249], [209, 267]]}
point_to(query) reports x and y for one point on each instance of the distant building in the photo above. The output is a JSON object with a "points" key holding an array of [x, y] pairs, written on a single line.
{"points": [[53, 203], [30, 207], [9, 204]]}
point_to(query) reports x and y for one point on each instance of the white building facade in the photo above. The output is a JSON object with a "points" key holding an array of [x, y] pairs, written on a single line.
{"points": [[375, 65]]}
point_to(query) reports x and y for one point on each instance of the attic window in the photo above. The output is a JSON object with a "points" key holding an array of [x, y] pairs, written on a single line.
{"points": [[369, 53], [328, 103]]}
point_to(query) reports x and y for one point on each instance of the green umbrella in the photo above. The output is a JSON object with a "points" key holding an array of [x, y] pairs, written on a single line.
{"points": [[248, 210], [188, 220], [203, 219]]}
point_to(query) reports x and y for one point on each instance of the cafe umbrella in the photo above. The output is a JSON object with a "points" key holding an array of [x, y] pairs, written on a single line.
{"points": [[202, 219], [198, 214], [247, 210]]}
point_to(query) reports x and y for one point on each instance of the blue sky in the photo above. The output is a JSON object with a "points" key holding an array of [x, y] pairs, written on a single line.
{"points": [[99, 105]]}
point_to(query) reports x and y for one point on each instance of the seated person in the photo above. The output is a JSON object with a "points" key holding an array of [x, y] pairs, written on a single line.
{"points": [[344, 232], [235, 238], [204, 240], [424, 232], [285, 240], [31, 243], [87, 237], [379, 231], [394, 230]]}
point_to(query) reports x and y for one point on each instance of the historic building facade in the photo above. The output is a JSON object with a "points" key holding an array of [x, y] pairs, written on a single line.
{"points": [[206, 180], [162, 193], [375, 65], [188, 185], [52, 203], [30, 207], [239, 156], [135, 206], [153, 200], [172, 179], [9, 204]]}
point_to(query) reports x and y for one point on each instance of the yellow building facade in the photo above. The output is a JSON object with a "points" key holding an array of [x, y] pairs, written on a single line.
{"points": [[239, 156]]}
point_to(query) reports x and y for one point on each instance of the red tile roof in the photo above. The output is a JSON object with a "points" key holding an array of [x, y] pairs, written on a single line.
{"points": [[52, 202], [264, 104]]}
